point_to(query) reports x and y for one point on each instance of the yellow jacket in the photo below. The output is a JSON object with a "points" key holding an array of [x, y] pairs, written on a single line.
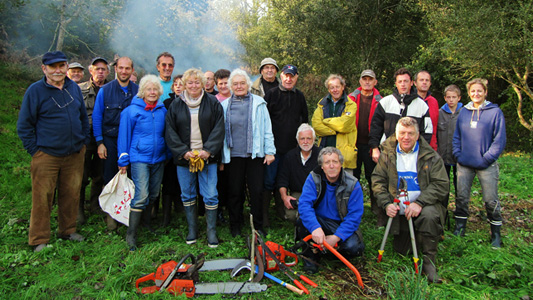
{"points": [[342, 126]]}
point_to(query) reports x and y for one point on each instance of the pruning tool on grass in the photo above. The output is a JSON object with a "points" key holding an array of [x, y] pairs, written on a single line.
{"points": [[340, 257], [402, 192]]}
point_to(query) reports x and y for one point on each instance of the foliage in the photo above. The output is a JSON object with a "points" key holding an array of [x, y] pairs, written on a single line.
{"points": [[326, 36], [500, 47]]}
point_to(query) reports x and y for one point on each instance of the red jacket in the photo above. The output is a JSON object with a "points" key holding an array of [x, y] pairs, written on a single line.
{"points": [[356, 96], [433, 105]]}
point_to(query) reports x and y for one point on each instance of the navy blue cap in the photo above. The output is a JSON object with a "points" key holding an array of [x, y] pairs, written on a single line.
{"points": [[290, 69], [53, 57], [97, 59]]}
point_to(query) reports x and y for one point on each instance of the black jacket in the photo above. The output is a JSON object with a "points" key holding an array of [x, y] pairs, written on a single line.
{"points": [[292, 173], [178, 128]]}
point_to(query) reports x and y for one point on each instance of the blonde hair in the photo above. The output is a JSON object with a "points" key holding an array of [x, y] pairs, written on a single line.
{"points": [[194, 73], [452, 88], [484, 82]]}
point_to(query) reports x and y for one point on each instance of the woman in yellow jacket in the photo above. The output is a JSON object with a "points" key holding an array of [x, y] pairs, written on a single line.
{"points": [[334, 121]]}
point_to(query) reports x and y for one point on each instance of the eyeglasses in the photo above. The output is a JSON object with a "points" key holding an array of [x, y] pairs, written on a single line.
{"points": [[64, 105], [164, 65]]}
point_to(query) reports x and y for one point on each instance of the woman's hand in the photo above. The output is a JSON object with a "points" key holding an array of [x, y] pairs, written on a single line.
{"points": [[188, 155], [269, 159], [123, 170], [204, 154]]}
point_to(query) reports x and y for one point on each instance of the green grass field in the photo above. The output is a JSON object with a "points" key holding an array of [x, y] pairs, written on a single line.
{"points": [[102, 268]]}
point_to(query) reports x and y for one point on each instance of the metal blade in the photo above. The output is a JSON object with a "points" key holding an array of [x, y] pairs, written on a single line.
{"points": [[229, 288], [221, 264]]}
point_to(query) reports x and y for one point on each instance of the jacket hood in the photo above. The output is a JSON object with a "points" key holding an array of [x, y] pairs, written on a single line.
{"points": [[447, 109], [408, 97], [485, 106]]}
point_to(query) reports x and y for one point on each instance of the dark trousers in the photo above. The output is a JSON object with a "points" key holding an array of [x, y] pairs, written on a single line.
{"points": [[111, 162], [92, 172], [241, 171], [454, 170], [364, 157], [351, 247]]}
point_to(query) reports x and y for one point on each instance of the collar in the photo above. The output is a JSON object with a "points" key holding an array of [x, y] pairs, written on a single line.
{"points": [[400, 151]]}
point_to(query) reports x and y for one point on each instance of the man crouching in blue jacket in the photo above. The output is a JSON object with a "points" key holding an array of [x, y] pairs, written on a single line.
{"points": [[330, 208]]}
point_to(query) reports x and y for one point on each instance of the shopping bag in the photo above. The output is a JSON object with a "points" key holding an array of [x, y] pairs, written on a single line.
{"points": [[116, 197]]}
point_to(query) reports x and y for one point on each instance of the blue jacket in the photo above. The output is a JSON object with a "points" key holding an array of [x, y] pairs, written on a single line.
{"points": [[479, 136], [263, 138], [141, 136], [110, 102], [52, 120], [342, 201]]}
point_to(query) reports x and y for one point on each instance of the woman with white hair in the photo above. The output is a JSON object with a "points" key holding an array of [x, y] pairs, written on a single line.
{"points": [[248, 146], [194, 134], [141, 145]]}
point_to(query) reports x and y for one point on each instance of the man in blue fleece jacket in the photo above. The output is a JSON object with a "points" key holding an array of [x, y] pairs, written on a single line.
{"points": [[331, 207], [54, 129]]}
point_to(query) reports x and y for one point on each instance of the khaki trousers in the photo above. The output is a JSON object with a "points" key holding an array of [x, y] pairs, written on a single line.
{"points": [[47, 172]]}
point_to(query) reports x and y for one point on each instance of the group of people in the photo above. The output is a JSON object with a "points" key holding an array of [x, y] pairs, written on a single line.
{"points": [[209, 146]]}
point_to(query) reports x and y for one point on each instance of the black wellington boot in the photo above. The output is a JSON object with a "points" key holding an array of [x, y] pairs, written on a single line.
{"points": [[167, 209], [460, 227], [211, 219], [131, 234], [496, 241], [429, 251], [192, 222]]}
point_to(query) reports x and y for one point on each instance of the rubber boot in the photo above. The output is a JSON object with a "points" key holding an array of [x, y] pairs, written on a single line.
{"points": [[147, 216], [211, 219], [267, 196], [167, 208], [496, 236], [154, 208], [429, 251], [192, 221], [460, 227], [131, 234]]}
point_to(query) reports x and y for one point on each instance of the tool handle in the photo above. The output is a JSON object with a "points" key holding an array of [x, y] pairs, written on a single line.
{"points": [[301, 286], [283, 283], [307, 280], [149, 289]]}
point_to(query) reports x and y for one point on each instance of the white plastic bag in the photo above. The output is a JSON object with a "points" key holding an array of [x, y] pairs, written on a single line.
{"points": [[116, 197]]}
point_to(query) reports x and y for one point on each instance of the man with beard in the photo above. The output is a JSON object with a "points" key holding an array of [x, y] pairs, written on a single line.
{"points": [[404, 102], [110, 101], [298, 163]]}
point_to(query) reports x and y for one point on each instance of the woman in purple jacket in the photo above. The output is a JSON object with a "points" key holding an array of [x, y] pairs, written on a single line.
{"points": [[478, 141]]}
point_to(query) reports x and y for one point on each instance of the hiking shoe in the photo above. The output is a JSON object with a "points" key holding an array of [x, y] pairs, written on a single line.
{"points": [[73, 237], [310, 268], [39, 248]]}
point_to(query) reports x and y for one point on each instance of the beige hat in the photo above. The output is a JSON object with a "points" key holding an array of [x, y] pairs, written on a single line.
{"points": [[75, 65], [368, 73], [268, 61]]}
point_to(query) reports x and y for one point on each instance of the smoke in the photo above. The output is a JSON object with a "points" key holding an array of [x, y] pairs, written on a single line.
{"points": [[198, 33]]}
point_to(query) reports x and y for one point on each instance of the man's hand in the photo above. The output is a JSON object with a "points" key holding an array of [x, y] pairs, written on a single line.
{"points": [[412, 210], [102, 151], [287, 201], [332, 240], [123, 170], [204, 154], [269, 159], [375, 155], [318, 235], [392, 210]]}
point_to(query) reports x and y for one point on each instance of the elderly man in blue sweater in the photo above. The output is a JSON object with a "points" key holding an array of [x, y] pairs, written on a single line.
{"points": [[331, 207]]}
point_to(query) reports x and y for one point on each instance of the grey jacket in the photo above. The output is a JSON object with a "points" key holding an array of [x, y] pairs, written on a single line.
{"points": [[445, 130]]}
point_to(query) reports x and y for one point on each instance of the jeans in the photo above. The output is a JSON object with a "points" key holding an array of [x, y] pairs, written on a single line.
{"points": [[351, 247], [488, 178], [47, 172], [147, 179], [271, 172], [207, 181]]}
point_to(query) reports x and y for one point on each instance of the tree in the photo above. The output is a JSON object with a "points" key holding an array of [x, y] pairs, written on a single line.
{"points": [[488, 38]]}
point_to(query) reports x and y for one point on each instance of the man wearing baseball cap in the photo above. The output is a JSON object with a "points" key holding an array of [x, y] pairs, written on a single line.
{"points": [[268, 69], [288, 110], [54, 129], [75, 72], [367, 98]]}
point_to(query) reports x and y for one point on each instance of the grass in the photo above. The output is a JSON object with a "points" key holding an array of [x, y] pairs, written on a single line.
{"points": [[102, 268]]}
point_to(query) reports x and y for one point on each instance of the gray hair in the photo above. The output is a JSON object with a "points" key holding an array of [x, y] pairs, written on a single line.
{"points": [[333, 77], [144, 83], [407, 122], [305, 127], [239, 72], [329, 151]]}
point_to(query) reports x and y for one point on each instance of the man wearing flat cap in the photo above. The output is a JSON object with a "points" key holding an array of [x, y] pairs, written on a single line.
{"points": [[54, 129], [288, 110], [75, 72], [268, 69]]}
